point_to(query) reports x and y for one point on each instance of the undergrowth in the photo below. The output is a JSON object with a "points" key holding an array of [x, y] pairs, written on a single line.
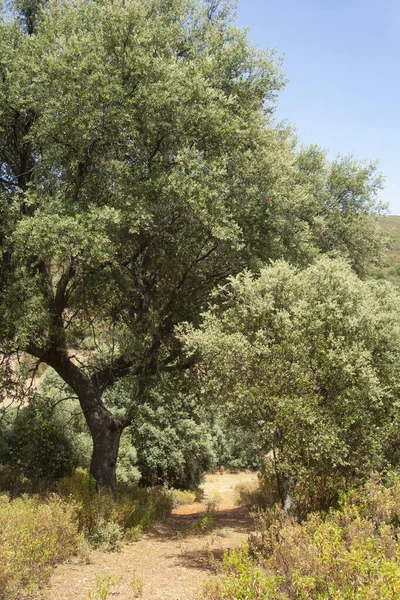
{"points": [[104, 521], [38, 531], [35, 534], [350, 553]]}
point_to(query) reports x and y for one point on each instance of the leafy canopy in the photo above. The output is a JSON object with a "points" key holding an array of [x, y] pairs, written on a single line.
{"points": [[312, 358], [140, 166]]}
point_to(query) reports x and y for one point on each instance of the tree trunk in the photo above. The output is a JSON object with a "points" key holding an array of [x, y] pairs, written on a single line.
{"points": [[106, 433], [288, 486], [105, 427]]}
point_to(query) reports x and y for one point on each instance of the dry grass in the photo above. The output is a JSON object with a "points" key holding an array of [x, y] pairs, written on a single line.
{"points": [[349, 554], [34, 536], [170, 561]]}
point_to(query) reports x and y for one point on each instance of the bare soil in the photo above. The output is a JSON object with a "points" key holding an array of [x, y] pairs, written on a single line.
{"points": [[172, 560]]}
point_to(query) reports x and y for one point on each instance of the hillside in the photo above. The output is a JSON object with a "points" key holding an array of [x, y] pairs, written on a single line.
{"points": [[389, 267]]}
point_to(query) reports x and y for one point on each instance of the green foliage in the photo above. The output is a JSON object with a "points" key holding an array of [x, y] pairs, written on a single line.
{"points": [[170, 436], [343, 194], [48, 437], [235, 446], [35, 534], [180, 497], [43, 441], [140, 167], [388, 266], [311, 357], [127, 470], [64, 411], [242, 580], [38, 445], [350, 554], [103, 520], [172, 447]]}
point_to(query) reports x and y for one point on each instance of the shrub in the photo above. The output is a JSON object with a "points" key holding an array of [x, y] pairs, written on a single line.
{"points": [[311, 358], [127, 471], [106, 535], [348, 554], [242, 580], [34, 535], [180, 497], [104, 521], [13, 481], [312, 492], [172, 440], [38, 444]]}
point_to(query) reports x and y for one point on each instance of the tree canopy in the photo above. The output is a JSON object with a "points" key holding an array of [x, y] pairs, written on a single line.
{"points": [[311, 357], [140, 166]]}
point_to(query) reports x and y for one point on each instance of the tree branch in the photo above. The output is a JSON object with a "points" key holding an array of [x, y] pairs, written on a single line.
{"points": [[120, 367]]}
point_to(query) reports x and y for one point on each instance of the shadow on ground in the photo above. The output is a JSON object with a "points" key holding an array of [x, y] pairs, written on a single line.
{"points": [[202, 560], [198, 524]]}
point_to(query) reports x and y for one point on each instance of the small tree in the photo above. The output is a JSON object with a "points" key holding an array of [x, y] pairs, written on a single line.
{"points": [[312, 357]]}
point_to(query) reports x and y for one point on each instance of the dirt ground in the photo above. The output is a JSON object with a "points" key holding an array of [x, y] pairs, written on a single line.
{"points": [[169, 562]]}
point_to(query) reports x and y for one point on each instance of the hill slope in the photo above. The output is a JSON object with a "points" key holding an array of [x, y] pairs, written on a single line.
{"points": [[389, 266]]}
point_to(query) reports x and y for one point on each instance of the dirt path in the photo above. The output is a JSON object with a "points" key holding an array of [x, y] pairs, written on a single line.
{"points": [[171, 561]]}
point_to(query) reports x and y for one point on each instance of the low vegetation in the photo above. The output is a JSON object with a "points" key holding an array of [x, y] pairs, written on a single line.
{"points": [[36, 532], [350, 553]]}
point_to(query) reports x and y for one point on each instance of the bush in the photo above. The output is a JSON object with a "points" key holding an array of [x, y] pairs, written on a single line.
{"points": [[180, 497], [13, 481], [34, 535], [104, 521], [312, 492], [38, 445], [170, 435], [349, 554], [311, 358], [127, 471]]}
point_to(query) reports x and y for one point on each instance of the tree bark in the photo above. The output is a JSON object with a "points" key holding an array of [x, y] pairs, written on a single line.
{"points": [[105, 427], [106, 433]]}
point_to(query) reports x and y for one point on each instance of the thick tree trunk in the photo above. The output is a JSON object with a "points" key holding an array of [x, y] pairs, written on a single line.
{"points": [[105, 427], [106, 433], [285, 484]]}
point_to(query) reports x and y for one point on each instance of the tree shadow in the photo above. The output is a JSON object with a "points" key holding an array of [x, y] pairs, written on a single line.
{"points": [[203, 560], [203, 523]]}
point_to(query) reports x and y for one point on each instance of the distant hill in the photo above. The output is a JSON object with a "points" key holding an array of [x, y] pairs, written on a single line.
{"points": [[389, 267]]}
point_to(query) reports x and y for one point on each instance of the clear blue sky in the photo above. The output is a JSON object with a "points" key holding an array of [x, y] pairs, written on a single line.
{"points": [[343, 61]]}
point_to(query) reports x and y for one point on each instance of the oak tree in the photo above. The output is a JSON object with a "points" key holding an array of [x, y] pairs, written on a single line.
{"points": [[140, 166]]}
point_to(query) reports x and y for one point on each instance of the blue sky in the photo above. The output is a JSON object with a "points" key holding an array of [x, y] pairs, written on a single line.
{"points": [[343, 61]]}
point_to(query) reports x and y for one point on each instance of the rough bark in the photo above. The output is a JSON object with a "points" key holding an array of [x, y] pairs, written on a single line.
{"points": [[106, 435], [105, 427]]}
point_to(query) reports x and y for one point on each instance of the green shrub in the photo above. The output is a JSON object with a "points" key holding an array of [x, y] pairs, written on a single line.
{"points": [[180, 497], [172, 440], [91, 505], [242, 580], [312, 492], [35, 534], [106, 535], [38, 444], [349, 554], [102, 520], [127, 471]]}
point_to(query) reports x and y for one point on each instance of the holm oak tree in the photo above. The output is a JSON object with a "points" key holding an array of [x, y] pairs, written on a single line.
{"points": [[140, 166]]}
